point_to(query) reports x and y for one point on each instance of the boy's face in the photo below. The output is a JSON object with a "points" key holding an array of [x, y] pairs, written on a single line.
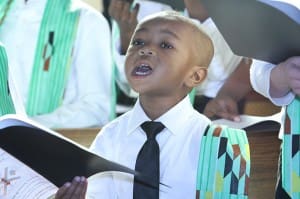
{"points": [[158, 59]]}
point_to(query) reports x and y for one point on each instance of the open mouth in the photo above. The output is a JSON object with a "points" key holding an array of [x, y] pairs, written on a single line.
{"points": [[142, 70]]}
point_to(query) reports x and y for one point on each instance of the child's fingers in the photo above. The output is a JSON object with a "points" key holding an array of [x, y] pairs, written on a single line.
{"points": [[84, 185], [135, 12], [74, 186], [80, 189], [62, 191]]}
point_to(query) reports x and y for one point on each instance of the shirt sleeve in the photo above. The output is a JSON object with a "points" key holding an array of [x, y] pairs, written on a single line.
{"points": [[88, 96], [102, 185], [224, 61], [260, 80]]}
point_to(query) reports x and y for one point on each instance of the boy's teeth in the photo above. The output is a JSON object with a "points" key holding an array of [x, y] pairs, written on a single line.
{"points": [[143, 70]]}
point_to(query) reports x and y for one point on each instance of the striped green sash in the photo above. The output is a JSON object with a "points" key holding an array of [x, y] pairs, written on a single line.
{"points": [[6, 103], [224, 164], [291, 150], [52, 57], [4, 7]]}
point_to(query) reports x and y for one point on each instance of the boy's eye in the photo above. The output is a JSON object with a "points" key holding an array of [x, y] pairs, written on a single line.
{"points": [[137, 42], [166, 45]]}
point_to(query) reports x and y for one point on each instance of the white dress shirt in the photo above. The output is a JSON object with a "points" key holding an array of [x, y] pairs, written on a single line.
{"points": [[179, 143], [260, 77], [223, 63], [88, 94]]}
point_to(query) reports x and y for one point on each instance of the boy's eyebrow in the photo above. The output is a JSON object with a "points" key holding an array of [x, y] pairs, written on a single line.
{"points": [[164, 30]]}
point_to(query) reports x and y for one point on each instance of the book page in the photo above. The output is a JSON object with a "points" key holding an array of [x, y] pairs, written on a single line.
{"points": [[15, 120], [248, 120], [18, 181]]}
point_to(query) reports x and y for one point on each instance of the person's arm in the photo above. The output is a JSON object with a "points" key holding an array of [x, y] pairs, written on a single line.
{"points": [[196, 10], [276, 82], [285, 78], [236, 87], [88, 95], [126, 19]]}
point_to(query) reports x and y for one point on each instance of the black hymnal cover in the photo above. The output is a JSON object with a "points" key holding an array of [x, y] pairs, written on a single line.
{"points": [[265, 30], [53, 156]]}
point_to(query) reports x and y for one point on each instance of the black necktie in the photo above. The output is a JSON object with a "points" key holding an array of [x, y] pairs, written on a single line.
{"points": [[147, 163]]}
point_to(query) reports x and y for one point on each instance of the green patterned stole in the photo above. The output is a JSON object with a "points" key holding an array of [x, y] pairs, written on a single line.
{"points": [[52, 57], [224, 164], [6, 103], [291, 150]]}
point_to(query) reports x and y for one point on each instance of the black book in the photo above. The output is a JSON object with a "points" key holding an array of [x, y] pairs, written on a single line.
{"points": [[265, 30], [36, 159]]}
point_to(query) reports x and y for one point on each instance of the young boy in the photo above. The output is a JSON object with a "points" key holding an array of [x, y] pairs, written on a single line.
{"points": [[223, 64], [163, 64]]}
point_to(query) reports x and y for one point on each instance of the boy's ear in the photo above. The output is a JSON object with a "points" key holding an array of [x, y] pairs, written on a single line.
{"points": [[196, 76]]}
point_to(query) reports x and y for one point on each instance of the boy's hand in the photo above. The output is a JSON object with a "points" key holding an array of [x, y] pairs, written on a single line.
{"points": [[285, 77], [126, 18], [196, 9], [73, 190], [224, 107]]}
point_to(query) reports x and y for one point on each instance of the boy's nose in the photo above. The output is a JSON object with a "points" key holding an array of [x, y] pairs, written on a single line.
{"points": [[146, 51]]}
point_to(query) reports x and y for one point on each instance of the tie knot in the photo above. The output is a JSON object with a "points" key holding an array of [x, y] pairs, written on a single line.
{"points": [[152, 128]]}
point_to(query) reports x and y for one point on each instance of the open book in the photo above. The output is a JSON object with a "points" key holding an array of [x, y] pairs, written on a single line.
{"points": [[266, 30], [34, 160], [252, 123]]}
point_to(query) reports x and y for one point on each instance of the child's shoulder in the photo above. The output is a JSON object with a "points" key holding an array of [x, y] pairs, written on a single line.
{"points": [[117, 124]]}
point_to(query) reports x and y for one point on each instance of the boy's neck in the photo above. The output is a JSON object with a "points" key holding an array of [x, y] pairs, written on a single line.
{"points": [[155, 107]]}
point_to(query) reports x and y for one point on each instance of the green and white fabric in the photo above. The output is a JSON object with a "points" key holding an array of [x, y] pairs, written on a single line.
{"points": [[51, 67], [224, 164], [291, 150], [4, 7], [6, 103]]}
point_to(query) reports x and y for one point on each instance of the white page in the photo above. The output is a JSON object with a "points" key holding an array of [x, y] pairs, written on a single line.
{"points": [[248, 120], [18, 181]]}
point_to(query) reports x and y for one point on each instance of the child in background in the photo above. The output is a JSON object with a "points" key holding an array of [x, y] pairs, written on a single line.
{"points": [[59, 53]]}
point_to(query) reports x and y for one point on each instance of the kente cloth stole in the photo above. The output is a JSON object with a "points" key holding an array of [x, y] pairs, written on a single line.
{"points": [[291, 150], [224, 164], [6, 103], [52, 56]]}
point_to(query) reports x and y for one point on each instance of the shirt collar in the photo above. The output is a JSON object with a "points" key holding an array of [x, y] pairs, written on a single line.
{"points": [[173, 119]]}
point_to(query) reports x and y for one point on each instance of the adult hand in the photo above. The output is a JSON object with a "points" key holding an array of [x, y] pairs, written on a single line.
{"points": [[126, 18], [285, 77], [196, 9], [222, 107], [73, 190]]}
